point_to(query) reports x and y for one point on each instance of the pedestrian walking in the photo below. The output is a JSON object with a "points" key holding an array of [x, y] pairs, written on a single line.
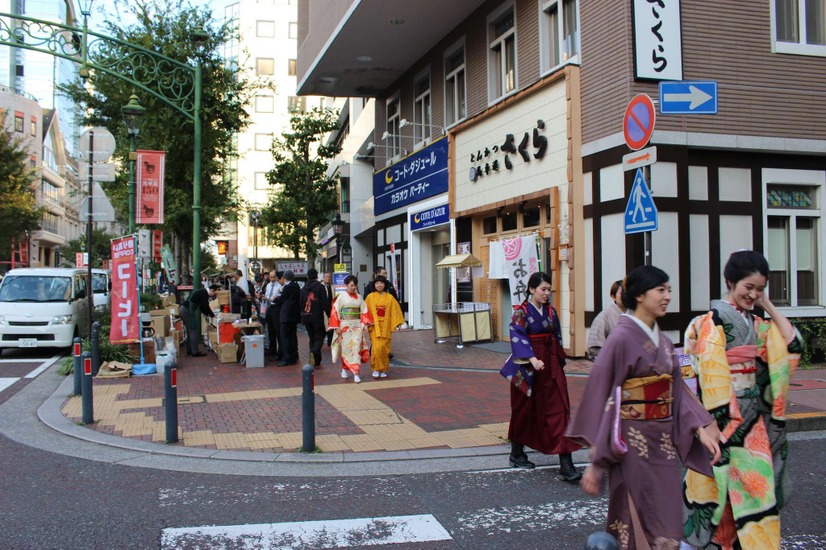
{"points": [[387, 317], [640, 420], [605, 322], [743, 363], [540, 407], [349, 318], [288, 318], [313, 303]]}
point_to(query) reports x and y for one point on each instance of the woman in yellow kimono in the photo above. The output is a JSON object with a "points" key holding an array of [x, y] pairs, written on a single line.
{"points": [[348, 318], [387, 316], [743, 364]]}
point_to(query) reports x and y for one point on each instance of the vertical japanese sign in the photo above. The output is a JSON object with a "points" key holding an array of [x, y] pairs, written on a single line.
{"points": [[149, 176], [125, 325], [157, 243], [521, 262], [658, 47], [168, 262]]}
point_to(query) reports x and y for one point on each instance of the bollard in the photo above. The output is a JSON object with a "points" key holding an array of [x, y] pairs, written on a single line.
{"points": [[308, 409], [95, 339], [170, 384], [86, 393], [77, 373]]}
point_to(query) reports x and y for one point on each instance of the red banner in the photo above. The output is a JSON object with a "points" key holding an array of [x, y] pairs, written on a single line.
{"points": [[149, 178], [157, 243], [124, 297]]}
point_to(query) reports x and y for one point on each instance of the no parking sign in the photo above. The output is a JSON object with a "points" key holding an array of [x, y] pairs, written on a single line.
{"points": [[638, 122]]}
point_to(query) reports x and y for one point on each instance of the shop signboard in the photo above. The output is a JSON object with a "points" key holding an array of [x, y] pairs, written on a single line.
{"points": [[124, 296], [298, 268], [431, 217], [414, 178]]}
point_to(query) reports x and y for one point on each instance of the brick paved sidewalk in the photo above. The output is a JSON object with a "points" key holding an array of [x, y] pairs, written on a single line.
{"points": [[437, 396]]}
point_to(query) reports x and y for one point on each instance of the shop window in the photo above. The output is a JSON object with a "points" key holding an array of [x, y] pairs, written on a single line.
{"points": [[799, 27], [559, 33], [532, 216], [501, 53], [265, 66], [265, 29], [455, 97], [793, 245], [421, 109], [509, 221], [489, 225]]}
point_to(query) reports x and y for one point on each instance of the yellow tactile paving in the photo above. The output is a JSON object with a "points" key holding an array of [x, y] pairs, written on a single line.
{"points": [[383, 428]]}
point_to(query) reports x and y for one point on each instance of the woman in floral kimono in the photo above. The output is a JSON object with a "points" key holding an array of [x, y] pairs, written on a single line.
{"points": [[540, 407], [743, 364], [640, 421], [387, 315], [348, 318]]}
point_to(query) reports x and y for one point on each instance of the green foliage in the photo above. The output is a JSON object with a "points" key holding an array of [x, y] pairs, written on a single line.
{"points": [[18, 210], [166, 26], [101, 247], [305, 198], [108, 352], [150, 301], [813, 331]]}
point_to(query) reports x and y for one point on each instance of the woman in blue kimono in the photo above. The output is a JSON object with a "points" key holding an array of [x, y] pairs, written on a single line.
{"points": [[540, 407]]}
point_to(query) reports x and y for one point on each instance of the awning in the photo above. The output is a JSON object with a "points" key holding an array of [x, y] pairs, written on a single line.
{"points": [[459, 260]]}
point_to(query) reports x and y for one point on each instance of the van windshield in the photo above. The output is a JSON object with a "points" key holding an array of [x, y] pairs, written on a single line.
{"points": [[35, 288]]}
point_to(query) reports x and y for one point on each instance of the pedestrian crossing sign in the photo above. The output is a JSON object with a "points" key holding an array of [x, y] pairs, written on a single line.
{"points": [[640, 212]]}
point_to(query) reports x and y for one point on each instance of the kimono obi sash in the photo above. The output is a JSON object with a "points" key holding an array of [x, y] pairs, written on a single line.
{"points": [[742, 367], [646, 398], [540, 341], [349, 313]]}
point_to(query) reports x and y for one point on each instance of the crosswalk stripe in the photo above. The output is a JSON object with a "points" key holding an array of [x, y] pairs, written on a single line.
{"points": [[36, 372], [340, 533], [6, 382]]}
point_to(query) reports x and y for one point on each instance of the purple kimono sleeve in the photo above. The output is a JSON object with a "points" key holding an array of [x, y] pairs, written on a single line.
{"points": [[689, 414]]}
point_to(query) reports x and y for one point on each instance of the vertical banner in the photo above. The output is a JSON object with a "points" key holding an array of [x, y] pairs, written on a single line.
{"points": [[521, 261], [157, 243], [149, 176], [169, 265], [124, 297]]}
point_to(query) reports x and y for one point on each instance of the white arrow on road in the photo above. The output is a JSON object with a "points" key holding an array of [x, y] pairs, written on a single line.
{"points": [[695, 95]]}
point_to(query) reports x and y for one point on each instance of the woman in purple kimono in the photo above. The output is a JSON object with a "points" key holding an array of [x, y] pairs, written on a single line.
{"points": [[640, 422], [540, 408]]}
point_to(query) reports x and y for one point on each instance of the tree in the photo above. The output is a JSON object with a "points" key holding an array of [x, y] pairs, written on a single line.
{"points": [[101, 247], [18, 210], [304, 197], [166, 27]]}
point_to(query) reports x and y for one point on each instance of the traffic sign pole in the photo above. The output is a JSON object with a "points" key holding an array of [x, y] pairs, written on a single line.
{"points": [[647, 252]]}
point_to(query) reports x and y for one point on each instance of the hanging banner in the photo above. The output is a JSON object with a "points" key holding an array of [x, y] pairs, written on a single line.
{"points": [[157, 243], [124, 297], [169, 265], [521, 262], [149, 183]]}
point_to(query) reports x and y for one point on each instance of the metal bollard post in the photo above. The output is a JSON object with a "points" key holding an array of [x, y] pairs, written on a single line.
{"points": [[86, 387], [308, 409], [77, 345], [95, 340], [170, 384]]}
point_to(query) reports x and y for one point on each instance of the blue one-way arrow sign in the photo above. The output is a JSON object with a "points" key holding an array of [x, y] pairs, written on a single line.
{"points": [[688, 98], [640, 213]]}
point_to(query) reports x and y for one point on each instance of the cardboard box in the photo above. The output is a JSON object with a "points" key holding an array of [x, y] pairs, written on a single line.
{"points": [[223, 297], [160, 322], [166, 301], [148, 350], [227, 353]]}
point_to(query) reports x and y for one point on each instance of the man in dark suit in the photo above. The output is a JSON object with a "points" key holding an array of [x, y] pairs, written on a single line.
{"points": [[327, 281], [288, 319], [313, 303], [270, 293]]}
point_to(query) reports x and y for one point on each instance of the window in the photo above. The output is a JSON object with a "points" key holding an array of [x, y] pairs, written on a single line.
{"points": [[265, 29], [293, 30], [49, 192], [509, 221], [502, 54], [291, 67], [489, 225], [263, 142], [793, 226], [799, 26], [455, 85], [264, 104], [559, 33], [297, 103], [421, 109], [33, 126], [18, 122], [531, 216], [344, 187], [261, 182], [19, 71], [265, 65], [394, 144]]}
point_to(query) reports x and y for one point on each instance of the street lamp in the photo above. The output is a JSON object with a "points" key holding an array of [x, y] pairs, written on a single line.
{"points": [[132, 116], [255, 215]]}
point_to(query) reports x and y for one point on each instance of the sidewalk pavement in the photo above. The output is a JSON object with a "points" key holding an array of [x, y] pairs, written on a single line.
{"points": [[439, 400]]}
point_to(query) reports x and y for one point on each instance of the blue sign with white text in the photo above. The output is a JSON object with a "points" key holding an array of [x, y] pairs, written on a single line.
{"points": [[430, 217], [640, 212], [414, 178], [688, 98]]}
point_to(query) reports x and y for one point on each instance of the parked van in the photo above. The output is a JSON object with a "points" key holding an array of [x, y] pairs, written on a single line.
{"points": [[42, 307], [101, 287]]}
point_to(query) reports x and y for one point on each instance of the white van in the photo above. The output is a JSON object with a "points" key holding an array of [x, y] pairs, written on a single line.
{"points": [[101, 287], [43, 307]]}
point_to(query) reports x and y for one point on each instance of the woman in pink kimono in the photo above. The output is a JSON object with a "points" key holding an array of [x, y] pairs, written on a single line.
{"points": [[349, 318], [640, 422]]}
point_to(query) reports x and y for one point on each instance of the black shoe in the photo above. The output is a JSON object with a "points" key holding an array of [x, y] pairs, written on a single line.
{"points": [[199, 354], [285, 363], [521, 462], [567, 471]]}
